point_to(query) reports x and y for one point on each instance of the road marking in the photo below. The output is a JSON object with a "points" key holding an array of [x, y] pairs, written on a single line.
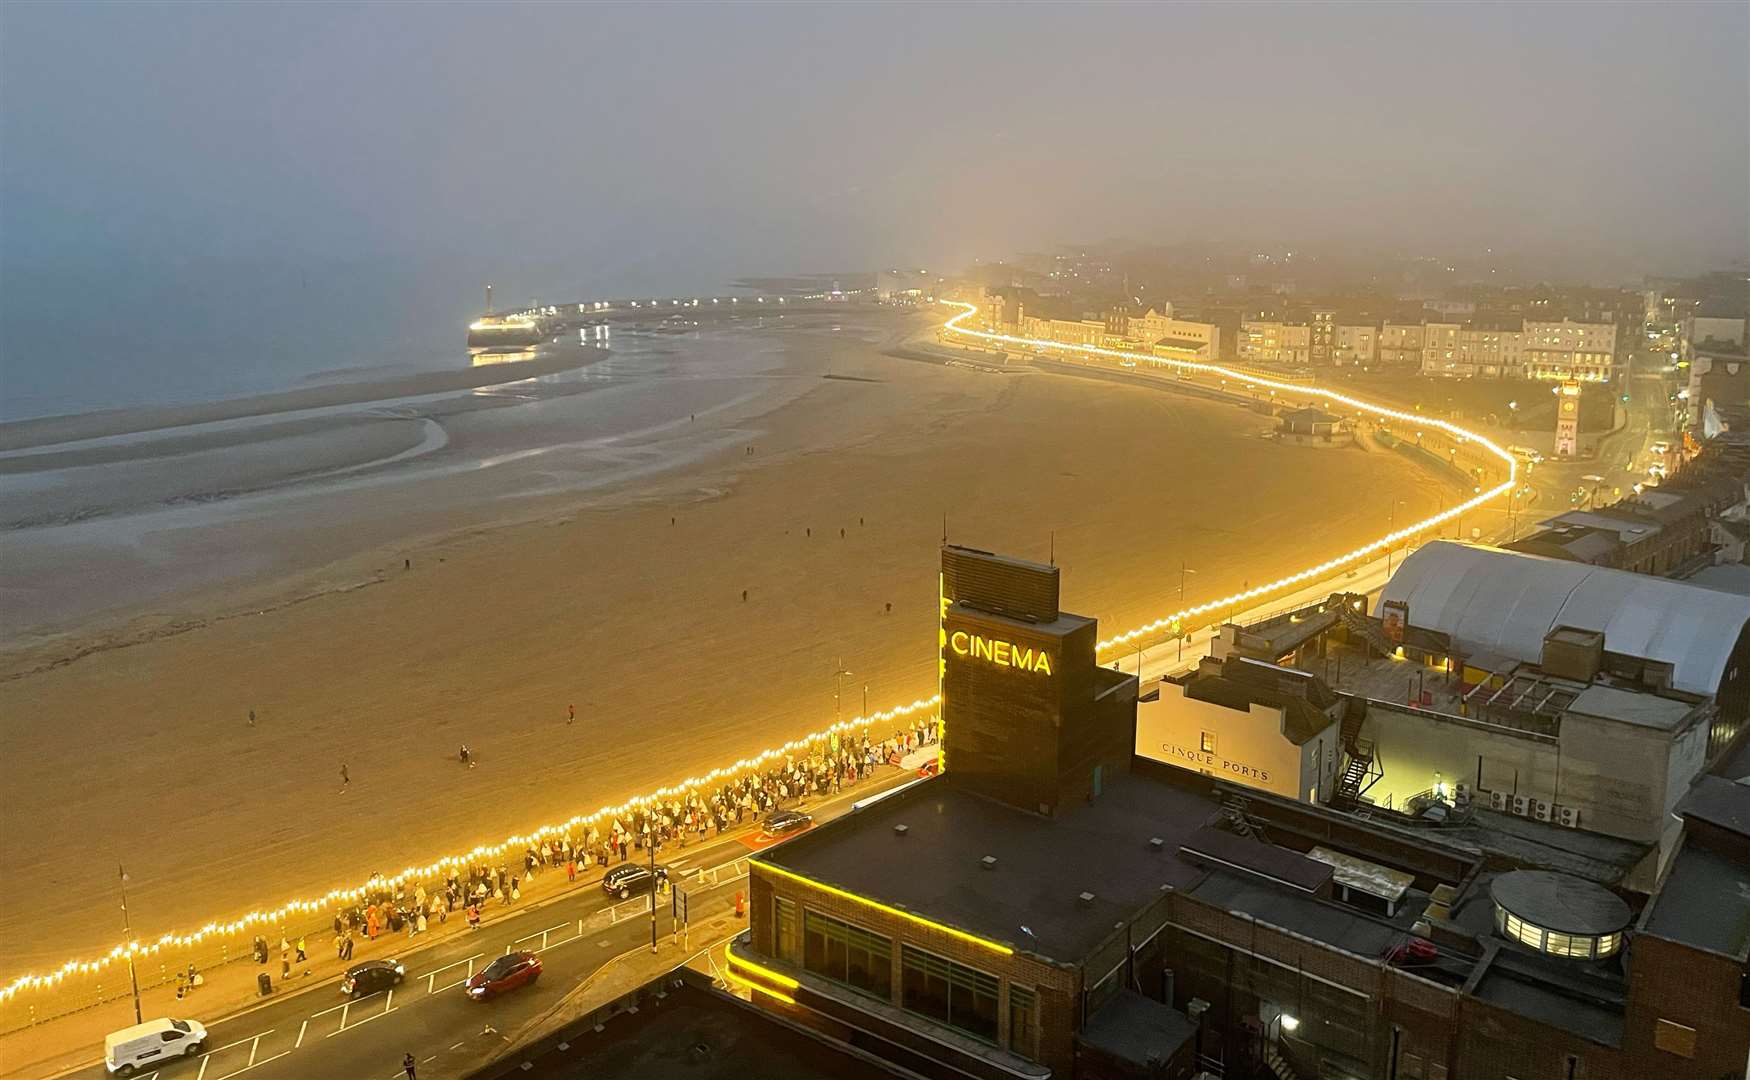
{"points": [[301, 1028], [203, 1072], [257, 1065], [458, 1046], [431, 976]]}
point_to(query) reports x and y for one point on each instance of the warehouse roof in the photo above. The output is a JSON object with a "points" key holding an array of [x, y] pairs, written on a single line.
{"points": [[1498, 601]]}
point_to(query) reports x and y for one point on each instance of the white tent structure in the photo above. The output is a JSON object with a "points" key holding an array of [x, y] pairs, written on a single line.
{"points": [[1487, 600]]}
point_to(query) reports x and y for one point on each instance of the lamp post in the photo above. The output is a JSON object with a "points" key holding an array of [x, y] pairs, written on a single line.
{"points": [[1181, 634], [1391, 527], [128, 935], [839, 674]]}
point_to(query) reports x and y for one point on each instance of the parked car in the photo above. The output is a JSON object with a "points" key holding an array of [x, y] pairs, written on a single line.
{"points": [[151, 1044], [632, 879], [504, 974], [371, 977], [783, 822]]}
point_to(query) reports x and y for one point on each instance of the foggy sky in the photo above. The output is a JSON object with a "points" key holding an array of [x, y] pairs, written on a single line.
{"points": [[713, 140]]}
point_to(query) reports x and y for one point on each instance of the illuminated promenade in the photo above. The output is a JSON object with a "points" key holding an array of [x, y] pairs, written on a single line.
{"points": [[314, 910]]}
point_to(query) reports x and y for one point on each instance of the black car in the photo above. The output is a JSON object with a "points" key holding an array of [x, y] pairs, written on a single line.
{"points": [[786, 821], [632, 879], [372, 976]]}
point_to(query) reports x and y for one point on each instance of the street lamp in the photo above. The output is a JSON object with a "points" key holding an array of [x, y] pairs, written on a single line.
{"points": [[840, 673], [1181, 634], [128, 936], [1391, 527]]}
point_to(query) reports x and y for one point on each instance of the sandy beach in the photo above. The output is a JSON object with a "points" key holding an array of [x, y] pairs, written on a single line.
{"points": [[608, 576]]}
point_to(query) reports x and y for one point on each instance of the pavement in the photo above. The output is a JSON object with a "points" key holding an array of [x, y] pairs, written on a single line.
{"points": [[306, 1028]]}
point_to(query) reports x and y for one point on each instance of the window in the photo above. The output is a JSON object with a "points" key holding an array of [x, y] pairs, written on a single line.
{"points": [[1207, 744], [1674, 1038], [961, 997], [847, 954], [784, 918], [1023, 1021]]}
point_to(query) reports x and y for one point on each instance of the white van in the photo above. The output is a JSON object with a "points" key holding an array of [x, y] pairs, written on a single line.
{"points": [[148, 1045]]}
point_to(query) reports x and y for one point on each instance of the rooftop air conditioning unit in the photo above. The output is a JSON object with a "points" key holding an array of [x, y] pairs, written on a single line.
{"points": [[1521, 805], [1540, 810], [1498, 800], [1569, 816]]}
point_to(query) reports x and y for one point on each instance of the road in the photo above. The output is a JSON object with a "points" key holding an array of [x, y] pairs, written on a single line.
{"points": [[319, 1033]]}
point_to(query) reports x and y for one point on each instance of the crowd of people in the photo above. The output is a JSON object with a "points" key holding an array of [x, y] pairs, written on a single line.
{"points": [[693, 817]]}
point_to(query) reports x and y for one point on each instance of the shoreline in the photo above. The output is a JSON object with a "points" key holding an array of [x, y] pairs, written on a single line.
{"points": [[628, 605]]}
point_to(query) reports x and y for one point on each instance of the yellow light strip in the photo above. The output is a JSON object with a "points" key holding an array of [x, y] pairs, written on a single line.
{"points": [[764, 972], [993, 946], [484, 853], [1311, 573], [751, 985], [140, 950]]}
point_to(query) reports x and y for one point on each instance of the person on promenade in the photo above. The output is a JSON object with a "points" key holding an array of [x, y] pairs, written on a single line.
{"points": [[346, 947], [339, 947], [300, 948], [473, 917]]}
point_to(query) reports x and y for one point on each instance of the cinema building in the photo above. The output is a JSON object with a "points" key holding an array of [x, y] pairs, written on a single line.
{"points": [[1053, 905]]}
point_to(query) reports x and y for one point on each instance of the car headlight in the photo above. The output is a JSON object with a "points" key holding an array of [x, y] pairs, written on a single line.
{"points": [[476, 991], [399, 970]]}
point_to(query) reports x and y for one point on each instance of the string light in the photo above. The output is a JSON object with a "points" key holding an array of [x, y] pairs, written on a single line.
{"points": [[1311, 573], [254, 919]]}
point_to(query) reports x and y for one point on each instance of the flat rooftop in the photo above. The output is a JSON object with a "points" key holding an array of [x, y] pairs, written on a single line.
{"points": [[1533, 994], [1043, 865], [690, 1032], [1705, 903], [1631, 707]]}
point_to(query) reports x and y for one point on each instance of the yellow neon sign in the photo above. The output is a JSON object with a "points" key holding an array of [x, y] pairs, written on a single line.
{"points": [[751, 985], [999, 949], [999, 652], [764, 972]]}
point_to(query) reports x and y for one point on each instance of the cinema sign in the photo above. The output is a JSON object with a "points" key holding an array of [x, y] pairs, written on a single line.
{"points": [[1000, 652]]}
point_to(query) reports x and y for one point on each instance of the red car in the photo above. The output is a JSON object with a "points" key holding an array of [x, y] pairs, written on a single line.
{"points": [[504, 974]]}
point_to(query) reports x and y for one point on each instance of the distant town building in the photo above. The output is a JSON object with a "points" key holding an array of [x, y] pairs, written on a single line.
{"points": [[1355, 345], [1565, 350], [1275, 342]]}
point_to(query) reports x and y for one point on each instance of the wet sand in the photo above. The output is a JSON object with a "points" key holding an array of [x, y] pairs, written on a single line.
{"points": [[143, 753]]}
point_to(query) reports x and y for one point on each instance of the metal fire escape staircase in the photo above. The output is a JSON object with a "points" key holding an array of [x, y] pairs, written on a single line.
{"points": [[1361, 765], [1367, 630]]}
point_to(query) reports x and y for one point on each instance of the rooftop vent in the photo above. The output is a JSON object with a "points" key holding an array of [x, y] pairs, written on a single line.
{"points": [[1086, 899], [900, 830], [989, 862]]}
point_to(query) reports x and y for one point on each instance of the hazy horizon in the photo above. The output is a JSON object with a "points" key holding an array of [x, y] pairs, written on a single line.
{"points": [[383, 162]]}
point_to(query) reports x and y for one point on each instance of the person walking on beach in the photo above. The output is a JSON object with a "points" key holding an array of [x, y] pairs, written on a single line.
{"points": [[467, 758], [345, 780], [570, 714]]}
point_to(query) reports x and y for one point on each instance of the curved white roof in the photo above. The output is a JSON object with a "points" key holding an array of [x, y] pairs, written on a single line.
{"points": [[1489, 600]]}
